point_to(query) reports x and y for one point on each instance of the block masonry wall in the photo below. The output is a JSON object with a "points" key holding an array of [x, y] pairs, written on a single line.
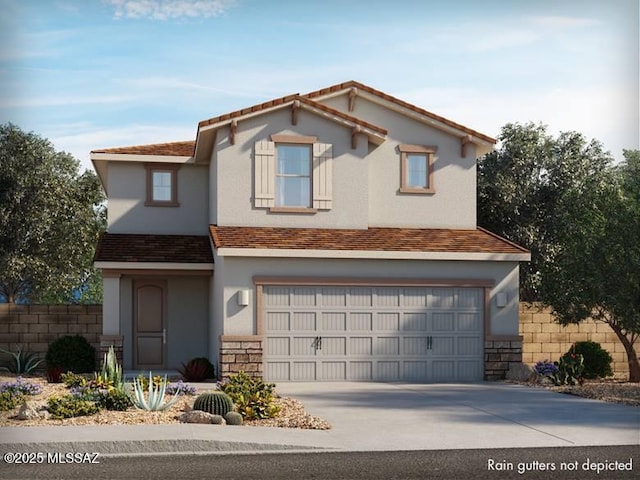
{"points": [[544, 339], [36, 326]]}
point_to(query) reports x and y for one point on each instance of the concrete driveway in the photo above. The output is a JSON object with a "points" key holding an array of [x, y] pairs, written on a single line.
{"points": [[391, 416]]}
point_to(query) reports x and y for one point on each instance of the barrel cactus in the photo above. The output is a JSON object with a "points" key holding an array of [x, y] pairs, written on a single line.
{"points": [[218, 403], [233, 418]]}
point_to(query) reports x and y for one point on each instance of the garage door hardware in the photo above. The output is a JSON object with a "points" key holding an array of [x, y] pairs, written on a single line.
{"points": [[317, 343], [429, 342]]}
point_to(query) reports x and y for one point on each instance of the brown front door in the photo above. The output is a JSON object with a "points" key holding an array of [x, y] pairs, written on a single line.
{"points": [[149, 324]]}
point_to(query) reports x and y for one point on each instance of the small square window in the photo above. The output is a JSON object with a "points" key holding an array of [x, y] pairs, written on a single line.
{"points": [[162, 188], [416, 169]]}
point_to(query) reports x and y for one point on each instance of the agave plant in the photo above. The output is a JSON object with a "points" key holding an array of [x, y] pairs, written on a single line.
{"points": [[154, 400], [111, 369], [22, 362]]}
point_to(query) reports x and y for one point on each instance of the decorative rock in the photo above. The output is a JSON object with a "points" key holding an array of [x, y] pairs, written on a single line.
{"points": [[520, 372], [32, 410], [198, 416]]}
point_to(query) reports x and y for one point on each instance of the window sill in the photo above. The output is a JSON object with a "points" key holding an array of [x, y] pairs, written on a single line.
{"points": [[293, 210], [161, 204], [417, 191]]}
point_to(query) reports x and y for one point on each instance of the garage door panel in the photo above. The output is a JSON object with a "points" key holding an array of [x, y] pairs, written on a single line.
{"points": [[360, 297], [443, 346], [279, 371], [333, 371], [414, 297], [469, 370], [334, 346], [387, 322], [278, 321], [469, 322], [305, 297], [442, 298], [304, 322], [360, 346], [334, 297], [304, 346], [360, 322], [333, 322], [469, 346], [444, 321], [414, 322], [387, 346], [414, 371], [443, 370], [388, 371], [279, 346], [387, 297], [278, 296], [360, 371], [304, 371], [415, 346], [469, 298]]}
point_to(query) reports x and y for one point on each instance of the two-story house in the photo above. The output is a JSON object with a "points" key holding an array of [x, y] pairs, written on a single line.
{"points": [[326, 236]]}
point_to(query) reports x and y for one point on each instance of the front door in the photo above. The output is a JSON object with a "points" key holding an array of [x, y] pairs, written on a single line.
{"points": [[149, 324]]}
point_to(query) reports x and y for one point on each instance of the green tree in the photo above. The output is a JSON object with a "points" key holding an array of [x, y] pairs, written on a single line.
{"points": [[595, 271], [522, 186], [50, 219]]}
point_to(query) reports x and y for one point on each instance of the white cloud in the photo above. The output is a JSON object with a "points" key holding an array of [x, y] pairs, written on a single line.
{"points": [[168, 9], [62, 100]]}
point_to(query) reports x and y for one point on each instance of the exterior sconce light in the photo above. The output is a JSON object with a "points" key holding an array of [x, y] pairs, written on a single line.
{"points": [[501, 300], [243, 298]]}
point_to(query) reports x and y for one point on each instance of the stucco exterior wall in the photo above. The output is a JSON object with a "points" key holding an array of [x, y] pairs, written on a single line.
{"points": [[239, 274], [453, 205], [127, 212], [232, 199]]}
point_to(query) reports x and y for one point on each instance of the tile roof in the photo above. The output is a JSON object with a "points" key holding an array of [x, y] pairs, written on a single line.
{"points": [[120, 247], [397, 101], [177, 149], [380, 239], [285, 100]]}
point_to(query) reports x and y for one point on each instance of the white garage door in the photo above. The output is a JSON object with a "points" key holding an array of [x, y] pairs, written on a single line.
{"points": [[415, 334]]}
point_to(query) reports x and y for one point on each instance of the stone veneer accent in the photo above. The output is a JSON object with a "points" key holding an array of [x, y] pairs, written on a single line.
{"points": [[36, 326], [499, 355], [241, 356], [107, 341]]}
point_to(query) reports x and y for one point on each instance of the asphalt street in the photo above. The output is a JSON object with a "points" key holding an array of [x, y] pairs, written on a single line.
{"points": [[616, 462]]}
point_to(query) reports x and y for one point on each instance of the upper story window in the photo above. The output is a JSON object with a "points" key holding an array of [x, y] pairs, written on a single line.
{"points": [[293, 174], [416, 168], [162, 185]]}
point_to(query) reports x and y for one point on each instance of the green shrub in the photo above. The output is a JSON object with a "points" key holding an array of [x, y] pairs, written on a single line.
{"points": [[71, 353], [10, 400], [252, 396], [197, 370], [71, 379], [69, 406], [115, 399], [570, 368], [597, 361], [218, 403]]}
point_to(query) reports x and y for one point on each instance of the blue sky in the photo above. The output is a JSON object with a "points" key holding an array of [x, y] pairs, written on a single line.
{"points": [[91, 74]]}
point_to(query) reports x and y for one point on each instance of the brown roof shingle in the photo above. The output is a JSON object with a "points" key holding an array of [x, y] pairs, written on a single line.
{"points": [[376, 239], [177, 149], [121, 247], [397, 101]]}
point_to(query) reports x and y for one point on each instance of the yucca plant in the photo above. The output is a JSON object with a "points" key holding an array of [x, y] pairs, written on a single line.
{"points": [[154, 400], [22, 361], [111, 370]]}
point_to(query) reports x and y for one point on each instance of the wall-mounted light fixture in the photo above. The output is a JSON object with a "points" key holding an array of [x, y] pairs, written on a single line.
{"points": [[501, 300], [243, 298]]}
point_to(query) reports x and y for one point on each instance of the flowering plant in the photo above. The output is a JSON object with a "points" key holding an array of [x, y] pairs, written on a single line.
{"points": [[20, 387], [546, 368], [180, 388]]}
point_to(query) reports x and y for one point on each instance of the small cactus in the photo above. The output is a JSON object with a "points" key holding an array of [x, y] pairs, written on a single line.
{"points": [[218, 403], [233, 418]]}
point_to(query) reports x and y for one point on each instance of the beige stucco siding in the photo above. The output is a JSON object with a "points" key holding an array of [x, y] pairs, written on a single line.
{"points": [[239, 273], [453, 205], [232, 202], [127, 212]]}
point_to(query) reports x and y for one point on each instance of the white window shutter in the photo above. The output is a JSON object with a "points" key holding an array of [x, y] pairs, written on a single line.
{"points": [[264, 174], [322, 176]]}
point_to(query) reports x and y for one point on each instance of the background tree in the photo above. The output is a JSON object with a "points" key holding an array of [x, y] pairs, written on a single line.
{"points": [[522, 187], [595, 271], [50, 219]]}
